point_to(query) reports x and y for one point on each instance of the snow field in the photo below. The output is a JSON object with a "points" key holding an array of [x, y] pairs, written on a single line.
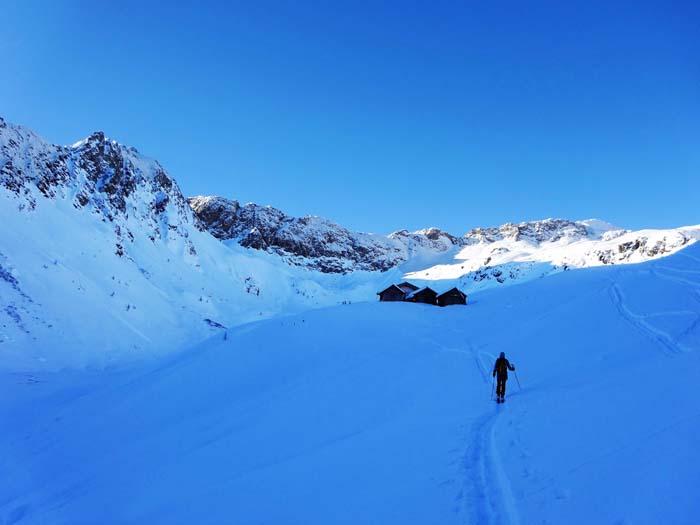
{"points": [[380, 413]]}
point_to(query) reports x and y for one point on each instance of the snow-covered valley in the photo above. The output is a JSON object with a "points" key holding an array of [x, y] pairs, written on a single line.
{"points": [[382, 413], [102, 259], [174, 360]]}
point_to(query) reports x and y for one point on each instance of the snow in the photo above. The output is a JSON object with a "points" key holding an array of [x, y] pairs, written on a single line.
{"points": [[102, 259], [599, 227], [69, 300], [522, 259], [381, 413]]}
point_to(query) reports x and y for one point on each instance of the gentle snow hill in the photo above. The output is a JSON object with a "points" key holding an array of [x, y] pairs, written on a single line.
{"points": [[381, 413]]}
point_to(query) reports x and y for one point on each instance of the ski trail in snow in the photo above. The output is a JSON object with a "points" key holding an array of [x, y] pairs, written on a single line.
{"points": [[473, 351], [483, 370], [488, 499], [670, 345], [690, 257], [635, 442], [507, 500], [678, 270], [483, 502], [486, 495], [678, 280], [695, 286]]}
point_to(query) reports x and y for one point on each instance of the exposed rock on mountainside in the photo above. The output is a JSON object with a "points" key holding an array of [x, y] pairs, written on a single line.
{"points": [[108, 179], [314, 242], [548, 230], [101, 255], [320, 244], [96, 231], [309, 241]]}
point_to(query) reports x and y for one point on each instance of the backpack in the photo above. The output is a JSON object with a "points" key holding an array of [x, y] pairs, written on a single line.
{"points": [[501, 366]]}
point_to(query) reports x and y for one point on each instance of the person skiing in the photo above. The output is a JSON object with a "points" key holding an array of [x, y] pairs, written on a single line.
{"points": [[500, 372]]}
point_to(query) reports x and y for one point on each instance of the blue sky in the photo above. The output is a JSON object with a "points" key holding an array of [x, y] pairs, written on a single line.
{"points": [[381, 115]]}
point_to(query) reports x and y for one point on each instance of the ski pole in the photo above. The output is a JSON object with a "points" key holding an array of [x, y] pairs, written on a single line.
{"points": [[492, 383], [518, 380]]}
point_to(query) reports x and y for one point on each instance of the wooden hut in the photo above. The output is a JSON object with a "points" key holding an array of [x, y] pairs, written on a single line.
{"points": [[407, 287], [452, 296], [393, 293], [423, 295]]}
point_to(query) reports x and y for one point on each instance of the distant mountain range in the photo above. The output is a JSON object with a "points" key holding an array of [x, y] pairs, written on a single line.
{"points": [[98, 231]]}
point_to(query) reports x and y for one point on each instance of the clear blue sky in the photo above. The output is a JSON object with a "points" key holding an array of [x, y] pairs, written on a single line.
{"points": [[381, 115]]}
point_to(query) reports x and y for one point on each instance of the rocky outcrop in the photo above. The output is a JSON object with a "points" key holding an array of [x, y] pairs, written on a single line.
{"points": [[314, 242], [642, 247], [135, 194], [98, 175], [548, 230], [323, 245]]}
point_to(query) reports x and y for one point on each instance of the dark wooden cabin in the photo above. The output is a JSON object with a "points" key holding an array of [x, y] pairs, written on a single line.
{"points": [[424, 295], [393, 293], [408, 287], [452, 296]]}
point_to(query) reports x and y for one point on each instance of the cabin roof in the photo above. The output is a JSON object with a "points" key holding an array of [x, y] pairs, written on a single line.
{"points": [[420, 290], [455, 289], [406, 284], [389, 288]]}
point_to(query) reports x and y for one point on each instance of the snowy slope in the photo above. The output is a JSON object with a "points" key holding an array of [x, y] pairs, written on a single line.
{"points": [[103, 259], [512, 254], [380, 413], [482, 257], [311, 242]]}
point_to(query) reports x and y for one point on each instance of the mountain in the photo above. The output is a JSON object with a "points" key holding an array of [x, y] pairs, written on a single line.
{"points": [[482, 257], [515, 253], [383, 413], [312, 242], [102, 258]]}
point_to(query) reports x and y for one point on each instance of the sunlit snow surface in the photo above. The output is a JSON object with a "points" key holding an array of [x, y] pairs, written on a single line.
{"points": [[381, 413], [525, 259], [102, 259], [66, 299]]}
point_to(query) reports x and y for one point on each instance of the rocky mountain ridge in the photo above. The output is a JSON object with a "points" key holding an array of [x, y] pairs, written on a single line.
{"points": [[100, 249], [128, 191], [97, 175], [323, 245]]}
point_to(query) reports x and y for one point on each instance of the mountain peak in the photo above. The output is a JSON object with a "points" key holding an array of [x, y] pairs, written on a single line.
{"points": [[545, 230], [94, 138], [98, 136], [598, 227]]}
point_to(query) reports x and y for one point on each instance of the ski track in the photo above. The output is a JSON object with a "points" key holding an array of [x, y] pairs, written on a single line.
{"points": [[635, 443], [677, 270], [477, 355], [669, 344], [690, 257], [694, 285], [486, 495], [473, 351]]}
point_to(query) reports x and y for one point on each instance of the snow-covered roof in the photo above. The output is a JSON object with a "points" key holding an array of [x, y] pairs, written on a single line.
{"points": [[454, 288], [389, 288], [416, 292], [408, 285]]}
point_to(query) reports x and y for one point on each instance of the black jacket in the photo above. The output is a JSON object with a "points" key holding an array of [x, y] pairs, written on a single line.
{"points": [[501, 368]]}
